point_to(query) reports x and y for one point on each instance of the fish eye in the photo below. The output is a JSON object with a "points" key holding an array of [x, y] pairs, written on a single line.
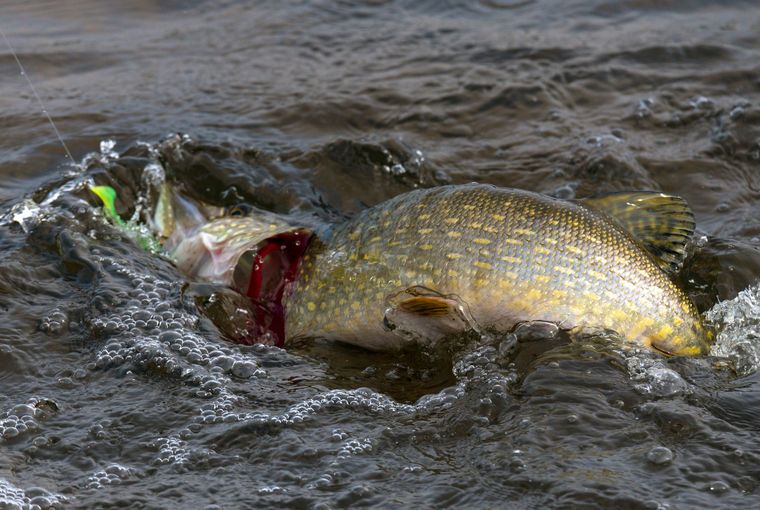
{"points": [[237, 211]]}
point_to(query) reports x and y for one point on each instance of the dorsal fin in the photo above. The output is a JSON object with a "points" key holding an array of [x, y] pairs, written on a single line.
{"points": [[662, 223]]}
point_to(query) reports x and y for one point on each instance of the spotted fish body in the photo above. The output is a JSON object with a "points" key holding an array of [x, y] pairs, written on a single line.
{"points": [[441, 260], [508, 255]]}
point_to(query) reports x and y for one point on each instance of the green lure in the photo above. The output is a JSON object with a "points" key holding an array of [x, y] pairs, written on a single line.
{"points": [[138, 233]]}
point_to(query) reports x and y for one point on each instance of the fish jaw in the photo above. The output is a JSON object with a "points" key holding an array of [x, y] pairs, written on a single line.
{"points": [[177, 218]]}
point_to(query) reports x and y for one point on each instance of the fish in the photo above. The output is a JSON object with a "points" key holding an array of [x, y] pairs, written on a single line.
{"points": [[440, 261]]}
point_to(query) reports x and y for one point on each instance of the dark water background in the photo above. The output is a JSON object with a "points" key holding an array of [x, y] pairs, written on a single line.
{"points": [[115, 391]]}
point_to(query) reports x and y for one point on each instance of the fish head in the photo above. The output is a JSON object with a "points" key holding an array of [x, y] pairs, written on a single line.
{"points": [[207, 242]]}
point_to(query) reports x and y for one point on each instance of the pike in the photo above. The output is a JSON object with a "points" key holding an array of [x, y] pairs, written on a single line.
{"points": [[435, 262]]}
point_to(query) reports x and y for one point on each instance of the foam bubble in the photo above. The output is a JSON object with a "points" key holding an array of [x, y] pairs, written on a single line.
{"points": [[15, 498], [111, 475], [355, 447], [660, 455], [149, 330], [23, 418]]}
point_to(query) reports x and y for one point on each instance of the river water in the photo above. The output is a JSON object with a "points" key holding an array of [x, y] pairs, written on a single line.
{"points": [[118, 390]]}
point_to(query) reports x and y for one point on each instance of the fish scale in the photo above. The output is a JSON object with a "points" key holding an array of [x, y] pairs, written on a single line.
{"points": [[509, 255]]}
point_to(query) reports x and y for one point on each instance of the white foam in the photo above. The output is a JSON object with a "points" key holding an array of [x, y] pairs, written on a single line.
{"points": [[738, 324]]}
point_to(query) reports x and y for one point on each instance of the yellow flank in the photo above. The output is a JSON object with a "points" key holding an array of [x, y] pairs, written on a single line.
{"points": [[597, 275], [690, 351], [424, 231], [482, 265], [619, 315], [499, 217], [640, 326], [510, 259], [591, 296], [454, 234], [564, 270], [664, 332], [541, 250], [454, 256], [542, 278], [573, 249], [451, 221], [524, 231], [481, 240], [514, 242], [533, 295], [426, 247]]}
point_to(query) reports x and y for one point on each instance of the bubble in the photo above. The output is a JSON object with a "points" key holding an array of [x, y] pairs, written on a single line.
{"points": [[272, 489], [660, 455], [55, 322], [653, 376], [355, 447], [23, 418], [112, 474], [13, 497], [718, 487]]}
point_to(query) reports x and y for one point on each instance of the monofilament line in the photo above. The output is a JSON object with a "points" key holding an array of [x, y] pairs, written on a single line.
{"points": [[37, 96]]}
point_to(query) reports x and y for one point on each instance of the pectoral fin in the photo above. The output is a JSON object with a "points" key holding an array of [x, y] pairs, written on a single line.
{"points": [[662, 223], [419, 313]]}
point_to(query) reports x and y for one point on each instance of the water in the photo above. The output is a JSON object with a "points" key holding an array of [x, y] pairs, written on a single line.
{"points": [[116, 387]]}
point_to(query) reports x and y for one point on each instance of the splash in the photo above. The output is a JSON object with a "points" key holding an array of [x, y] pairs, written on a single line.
{"points": [[738, 323]]}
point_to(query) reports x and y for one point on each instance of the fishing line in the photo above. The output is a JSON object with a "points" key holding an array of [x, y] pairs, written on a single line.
{"points": [[37, 96]]}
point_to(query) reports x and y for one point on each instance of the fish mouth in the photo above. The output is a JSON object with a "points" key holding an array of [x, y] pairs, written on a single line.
{"points": [[257, 254], [265, 274]]}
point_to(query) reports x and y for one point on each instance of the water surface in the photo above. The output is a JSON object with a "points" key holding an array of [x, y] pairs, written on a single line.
{"points": [[116, 390]]}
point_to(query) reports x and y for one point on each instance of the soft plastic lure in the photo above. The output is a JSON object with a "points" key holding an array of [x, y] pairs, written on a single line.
{"points": [[137, 232]]}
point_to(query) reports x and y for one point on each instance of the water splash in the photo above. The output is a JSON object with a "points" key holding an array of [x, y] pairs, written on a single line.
{"points": [[738, 323]]}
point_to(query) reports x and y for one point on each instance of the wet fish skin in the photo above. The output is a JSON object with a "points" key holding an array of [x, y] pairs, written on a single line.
{"points": [[510, 255]]}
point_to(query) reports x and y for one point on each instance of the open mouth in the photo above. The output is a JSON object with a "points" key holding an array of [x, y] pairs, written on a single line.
{"points": [[264, 274]]}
